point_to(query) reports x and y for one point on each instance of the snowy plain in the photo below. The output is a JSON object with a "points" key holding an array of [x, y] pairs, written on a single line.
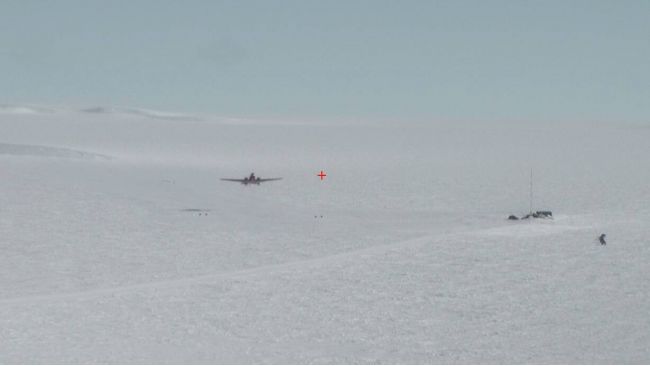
{"points": [[121, 245]]}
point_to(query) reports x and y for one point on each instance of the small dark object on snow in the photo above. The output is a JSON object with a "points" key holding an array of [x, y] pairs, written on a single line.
{"points": [[539, 215], [513, 217], [601, 238]]}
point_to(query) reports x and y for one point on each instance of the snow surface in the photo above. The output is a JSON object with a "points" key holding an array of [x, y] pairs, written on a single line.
{"points": [[120, 244]]}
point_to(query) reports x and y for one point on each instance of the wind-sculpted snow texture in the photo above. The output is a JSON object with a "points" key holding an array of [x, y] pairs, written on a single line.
{"points": [[120, 244]]}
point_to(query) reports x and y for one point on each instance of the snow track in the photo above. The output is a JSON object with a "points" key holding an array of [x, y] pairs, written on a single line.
{"points": [[433, 240], [211, 277]]}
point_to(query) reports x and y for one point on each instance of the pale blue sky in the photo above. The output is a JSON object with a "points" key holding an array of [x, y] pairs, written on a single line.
{"points": [[368, 59]]}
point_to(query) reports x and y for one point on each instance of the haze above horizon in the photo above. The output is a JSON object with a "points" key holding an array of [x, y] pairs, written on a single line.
{"points": [[476, 60]]}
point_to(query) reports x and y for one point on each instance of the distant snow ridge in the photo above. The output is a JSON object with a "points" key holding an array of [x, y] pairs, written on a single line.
{"points": [[48, 151], [17, 109], [23, 109], [99, 110], [141, 112]]}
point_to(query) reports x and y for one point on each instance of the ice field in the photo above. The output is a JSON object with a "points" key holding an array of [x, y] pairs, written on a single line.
{"points": [[119, 243]]}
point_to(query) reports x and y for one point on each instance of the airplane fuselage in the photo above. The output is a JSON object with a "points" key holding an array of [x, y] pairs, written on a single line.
{"points": [[251, 179], [248, 181]]}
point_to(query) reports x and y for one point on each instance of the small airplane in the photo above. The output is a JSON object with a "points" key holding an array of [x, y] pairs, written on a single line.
{"points": [[252, 179]]}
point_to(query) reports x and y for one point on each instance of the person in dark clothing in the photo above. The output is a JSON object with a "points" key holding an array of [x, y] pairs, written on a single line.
{"points": [[601, 238]]}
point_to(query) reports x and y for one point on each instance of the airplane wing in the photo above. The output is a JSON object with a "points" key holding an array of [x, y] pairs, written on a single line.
{"points": [[233, 180], [268, 179]]}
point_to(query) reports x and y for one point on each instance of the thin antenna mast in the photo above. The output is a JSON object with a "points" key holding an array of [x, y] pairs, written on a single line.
{"points": [[531, 190]]}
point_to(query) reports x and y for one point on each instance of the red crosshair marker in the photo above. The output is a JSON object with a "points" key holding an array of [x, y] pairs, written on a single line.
{"points": [[322, 175]]}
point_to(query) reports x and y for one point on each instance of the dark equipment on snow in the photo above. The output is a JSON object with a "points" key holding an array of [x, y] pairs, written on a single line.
{"points": [[531, 214], [539, 215]]}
